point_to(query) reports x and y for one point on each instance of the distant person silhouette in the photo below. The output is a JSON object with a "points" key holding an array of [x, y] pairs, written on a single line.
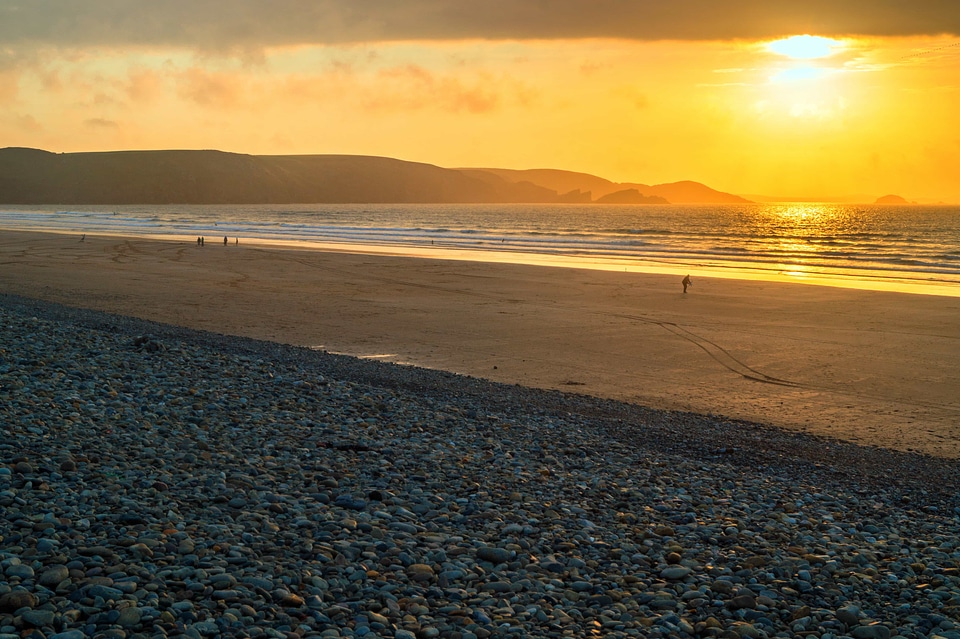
{"points": [[686, 282], [224, 240]]}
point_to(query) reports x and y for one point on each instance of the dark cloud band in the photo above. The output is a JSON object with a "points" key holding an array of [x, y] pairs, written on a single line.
{"points": [[213, 24]]}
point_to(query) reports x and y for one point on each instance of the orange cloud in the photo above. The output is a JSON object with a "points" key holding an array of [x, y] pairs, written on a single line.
{"points": [[209, 88], [142, 85], [27, 123], [9, 85], [412, 87], [100, 123]]}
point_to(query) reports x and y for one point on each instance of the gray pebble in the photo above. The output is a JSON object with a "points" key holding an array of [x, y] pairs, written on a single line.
{"points": [[873, 631], [39, 618]]}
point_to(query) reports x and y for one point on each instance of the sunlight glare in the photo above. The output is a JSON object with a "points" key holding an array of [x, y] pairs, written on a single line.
{"points": [[799, 73], [805, 47]]}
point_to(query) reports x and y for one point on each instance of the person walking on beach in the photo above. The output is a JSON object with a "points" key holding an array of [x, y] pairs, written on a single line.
{"points": [[224, 240], [686, 282]]}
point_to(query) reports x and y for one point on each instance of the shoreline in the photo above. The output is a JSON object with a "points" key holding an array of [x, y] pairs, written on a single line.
{"points": [[879, 281], [861, 366]]}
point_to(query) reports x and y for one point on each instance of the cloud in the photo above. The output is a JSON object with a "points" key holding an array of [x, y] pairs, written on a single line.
{"points": [[9, 86], [142, 85], [210, 89], [412, 87], [244, 26], [27, 123], [100, 123]]}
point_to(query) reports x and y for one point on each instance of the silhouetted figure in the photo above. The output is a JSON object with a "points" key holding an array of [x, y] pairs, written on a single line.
{"points": [[198, 240], [83, 237], [686, 282], [201, 240], [236, 241], [224, 240]]}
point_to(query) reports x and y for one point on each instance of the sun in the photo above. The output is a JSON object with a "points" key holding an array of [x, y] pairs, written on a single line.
{"points": [[806, 47], [806, 54], [805, 79]]}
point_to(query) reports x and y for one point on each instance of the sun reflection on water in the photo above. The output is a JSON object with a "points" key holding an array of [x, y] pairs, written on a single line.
{"points": [[804, 234]]}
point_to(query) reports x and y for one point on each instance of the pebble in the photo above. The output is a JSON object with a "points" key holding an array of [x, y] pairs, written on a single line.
{"points": [[743, 601], [873, 631], [130, 617], [420, 572], [675, 572], [53, 575], [38, 618], [13, 601], [19, 571], [207, 487], [493, 555], [849, 615]]}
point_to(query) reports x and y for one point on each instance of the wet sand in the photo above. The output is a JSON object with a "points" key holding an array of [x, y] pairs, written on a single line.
{"points": [[875, 368]]}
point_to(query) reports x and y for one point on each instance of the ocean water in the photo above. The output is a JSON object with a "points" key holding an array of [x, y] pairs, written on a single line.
{"points": [[857, 244]]}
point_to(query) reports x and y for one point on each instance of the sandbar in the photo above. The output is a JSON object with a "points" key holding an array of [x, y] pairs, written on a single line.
{"points": [[870, 367]]}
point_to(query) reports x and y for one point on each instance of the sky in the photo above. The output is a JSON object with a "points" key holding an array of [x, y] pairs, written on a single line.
{"points": [[863, 103]]}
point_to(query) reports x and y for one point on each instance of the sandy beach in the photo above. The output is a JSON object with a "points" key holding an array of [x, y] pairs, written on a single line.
{"points": [[160, 481], [874, 368]]}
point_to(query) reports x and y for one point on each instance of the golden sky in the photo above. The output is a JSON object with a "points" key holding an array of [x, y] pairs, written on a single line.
{"points": [[630, 90]]}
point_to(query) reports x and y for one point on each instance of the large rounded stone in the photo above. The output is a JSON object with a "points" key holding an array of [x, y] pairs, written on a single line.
{"points": [[17, 599], [493, 555], [54, 575]]}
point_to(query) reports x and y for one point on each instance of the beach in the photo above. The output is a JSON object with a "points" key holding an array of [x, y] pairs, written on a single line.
{"points": [[873, 368], [163, 481]]}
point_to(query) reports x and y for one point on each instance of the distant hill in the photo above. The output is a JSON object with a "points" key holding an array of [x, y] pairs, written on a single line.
{"points": [[32, 176], [891, 199], [688, 192], [630, 196], [513, 191], [29, 176], [685, 192], [554, 179]]}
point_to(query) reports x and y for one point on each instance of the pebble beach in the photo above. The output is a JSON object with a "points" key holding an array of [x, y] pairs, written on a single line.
{"points": [[161, 482]]}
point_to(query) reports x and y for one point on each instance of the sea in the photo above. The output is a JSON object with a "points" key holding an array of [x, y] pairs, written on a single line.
{"points": [[911, 248]]}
